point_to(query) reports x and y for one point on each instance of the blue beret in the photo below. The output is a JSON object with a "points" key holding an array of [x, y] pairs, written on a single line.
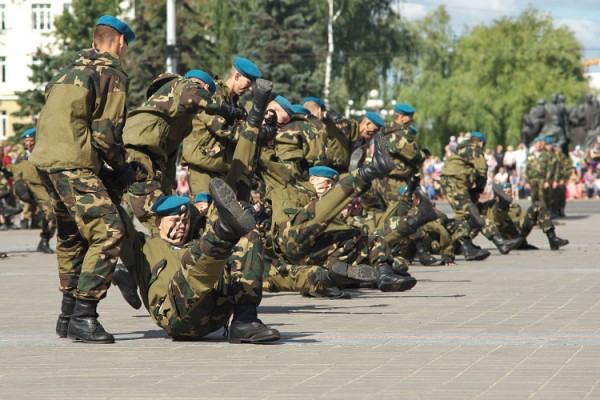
{"points": [[325, 172], [376, 119], [548, 140], [404, 109], [316, 100], [119, 26], [506, 185], [247, 68], [480, 136], [402, 189], [171, 205], [285, 104], [28, 133], [203, 196], [204, 77], [538, 139], [413, 130], [298, 109]]}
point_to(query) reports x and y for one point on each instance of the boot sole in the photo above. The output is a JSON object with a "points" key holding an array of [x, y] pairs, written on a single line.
{"points": [[78, 339], [478, 257], [361, 272], [405, 285], [500, 193], [264, 340], [356, 159], [240, 220]]}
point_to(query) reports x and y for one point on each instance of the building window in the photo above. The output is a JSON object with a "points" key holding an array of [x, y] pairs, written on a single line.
{"points": [[2, 69], [2, 17], [42, 19], [3, 125], [68, 7]]}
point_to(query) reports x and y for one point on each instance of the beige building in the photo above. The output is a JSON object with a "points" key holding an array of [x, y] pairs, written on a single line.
{"points": [[24, 26]]}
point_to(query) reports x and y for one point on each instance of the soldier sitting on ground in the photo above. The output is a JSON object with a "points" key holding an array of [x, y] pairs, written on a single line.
{"points": [[188, 286], [514, 223]]}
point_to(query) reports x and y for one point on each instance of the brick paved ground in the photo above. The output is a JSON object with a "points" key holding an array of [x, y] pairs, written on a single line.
{"points": [[524, 325]]}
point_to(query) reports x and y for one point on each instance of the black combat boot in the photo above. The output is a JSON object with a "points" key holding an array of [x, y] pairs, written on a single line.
{"points": [[66, 309], [555, 241], [504, 200], [261, 92], [506, 245], [425, 213], [471, 252], [123, 279], [234, 220], [44, 246], [476, 221], [356, 159], [390, 282], [341, 273], [25, 224], [425, 257], [8, 211], [247, 328], [84, 324], [381, 164]]}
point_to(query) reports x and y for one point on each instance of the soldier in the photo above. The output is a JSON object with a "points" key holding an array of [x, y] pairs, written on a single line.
{"points": [[188, 286], [300, 144], [563, 172], [514, 223], [208, 149], [551, 172], [28, 187], [535, 170], [313, 234], [155, 130], [463, 178], [79, 128], [338, 142]]}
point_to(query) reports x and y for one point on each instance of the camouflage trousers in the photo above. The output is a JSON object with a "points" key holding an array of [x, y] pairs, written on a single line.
{"points": [[457, 194], [4, 188], [282, 277], [549, 197], [440, 240], [536, 188], [513, 225], [310, 239], [212, 279], [44, 206], [90, 232]]}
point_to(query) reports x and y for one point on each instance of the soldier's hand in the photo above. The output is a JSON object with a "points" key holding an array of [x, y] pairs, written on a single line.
{"points": [[232, 114], [335, 117], [141, 173], [266, 134]]}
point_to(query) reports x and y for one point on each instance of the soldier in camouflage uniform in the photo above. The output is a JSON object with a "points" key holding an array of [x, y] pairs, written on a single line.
{"points": [[553, 172], [508, 217], [463, 178], [563, 173], [314, 234], [339, 141], [535, 170], [301, 143], [28, 187], [208, 150], [79, 128], [192, 287], [155, 130]]}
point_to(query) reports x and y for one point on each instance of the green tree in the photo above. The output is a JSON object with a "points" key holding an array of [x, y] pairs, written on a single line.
{"points": [[72, 32], [493, 76]]}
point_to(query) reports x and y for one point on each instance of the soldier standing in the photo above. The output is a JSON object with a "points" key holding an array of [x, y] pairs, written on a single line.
{"points": [[28, 187], [208, 149], [79, 128]]}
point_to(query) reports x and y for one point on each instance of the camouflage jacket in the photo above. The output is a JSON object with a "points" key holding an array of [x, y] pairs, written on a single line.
{"points": [[468, 162], [299, 145], [161, 123], [535, 165], [339, 143], [210, 144], [405, 151], [82, 121]]}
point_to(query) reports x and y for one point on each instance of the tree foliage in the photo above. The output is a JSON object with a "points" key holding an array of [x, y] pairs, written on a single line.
{"points": [[493, 75]]}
